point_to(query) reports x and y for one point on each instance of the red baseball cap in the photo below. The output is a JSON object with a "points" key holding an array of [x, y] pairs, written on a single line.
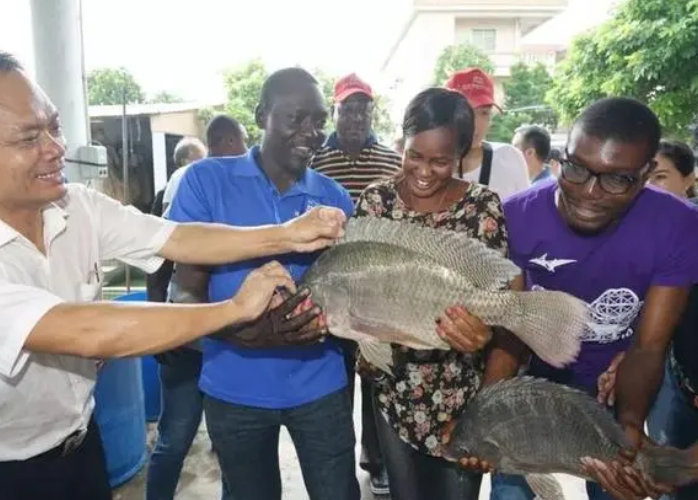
{"points": [[348, 86], [475, 85]]}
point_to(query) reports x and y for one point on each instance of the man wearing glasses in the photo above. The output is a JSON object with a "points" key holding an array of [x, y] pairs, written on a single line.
{"points": [[629, 251]]}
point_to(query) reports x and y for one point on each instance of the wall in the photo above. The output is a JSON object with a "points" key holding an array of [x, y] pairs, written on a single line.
{"points": [[183, 123]]}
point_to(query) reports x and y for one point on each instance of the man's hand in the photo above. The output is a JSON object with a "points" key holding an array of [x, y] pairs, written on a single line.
{"points": [[463, 331], [619, 478], [469, 463], [316, 229], [257, 290], [607, 382], [289, 320]]}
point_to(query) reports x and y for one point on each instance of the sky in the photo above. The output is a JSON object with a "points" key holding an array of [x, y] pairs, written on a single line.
{"points": [[182, 46]]}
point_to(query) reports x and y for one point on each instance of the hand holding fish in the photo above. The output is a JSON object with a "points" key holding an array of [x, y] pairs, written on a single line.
{"points": [[288, 320], [607, 382], [619, 478], [467, 462], [463, 331], [318, 228]]}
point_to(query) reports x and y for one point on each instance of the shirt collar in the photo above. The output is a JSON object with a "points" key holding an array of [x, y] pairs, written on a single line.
{"points": [[332, 141], [544, 174], [54, 218], [309, 184]]}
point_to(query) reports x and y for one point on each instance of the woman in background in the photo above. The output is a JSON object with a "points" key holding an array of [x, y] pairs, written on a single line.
{"points": [[675, 170], [428, 389]]}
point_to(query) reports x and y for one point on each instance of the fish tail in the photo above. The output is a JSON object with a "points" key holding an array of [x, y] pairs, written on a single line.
{"points": [[545, 486], [551, 323], [670, 465]]}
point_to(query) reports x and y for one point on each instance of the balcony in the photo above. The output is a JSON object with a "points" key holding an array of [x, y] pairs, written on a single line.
{"points": [[504, 62]]}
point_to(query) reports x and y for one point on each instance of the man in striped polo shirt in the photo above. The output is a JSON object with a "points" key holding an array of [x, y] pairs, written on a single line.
{"points": [[353, 157]]}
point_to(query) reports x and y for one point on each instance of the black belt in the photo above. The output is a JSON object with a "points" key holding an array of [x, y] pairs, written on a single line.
{"points": [[68, 446]]}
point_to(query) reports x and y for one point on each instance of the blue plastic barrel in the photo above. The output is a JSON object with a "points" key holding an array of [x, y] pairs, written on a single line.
{"points": [[120, 414], [151, 388]]}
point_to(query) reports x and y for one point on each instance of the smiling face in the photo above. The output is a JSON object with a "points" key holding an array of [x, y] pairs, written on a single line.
{"points": [[429, 160], [32, 147], [670, 178], [587, 207], [293, 127]]}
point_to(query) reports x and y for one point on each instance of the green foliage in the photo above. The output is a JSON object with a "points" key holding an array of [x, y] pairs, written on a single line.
{"points": [[243, 86], [648, 50], [456, 57], [107, 86], [164, 97], [525, 91]]}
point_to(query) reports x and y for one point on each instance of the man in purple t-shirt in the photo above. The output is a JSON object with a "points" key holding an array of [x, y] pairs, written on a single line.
{"points": [[628, 250]]}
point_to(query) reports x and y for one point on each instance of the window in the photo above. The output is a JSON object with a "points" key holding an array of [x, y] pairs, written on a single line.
{"points": [[484, 39]]}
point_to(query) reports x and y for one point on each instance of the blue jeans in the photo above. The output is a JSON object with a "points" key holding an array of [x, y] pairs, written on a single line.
{"points": [[508, 487], [673, 421], [180, 417], [246, 440]]}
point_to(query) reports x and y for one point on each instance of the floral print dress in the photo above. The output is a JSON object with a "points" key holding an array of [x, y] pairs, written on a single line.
{"points": [[430, 388]]}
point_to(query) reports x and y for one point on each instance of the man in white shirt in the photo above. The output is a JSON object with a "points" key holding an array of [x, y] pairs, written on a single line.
{"points": [[53, 237], [499, 166]]}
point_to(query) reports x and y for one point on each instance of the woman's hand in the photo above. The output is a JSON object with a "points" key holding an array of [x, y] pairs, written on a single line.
{"points": [[463, 331]]}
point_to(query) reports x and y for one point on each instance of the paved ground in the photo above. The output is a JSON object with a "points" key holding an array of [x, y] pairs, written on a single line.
{"points": [[201, 478]]}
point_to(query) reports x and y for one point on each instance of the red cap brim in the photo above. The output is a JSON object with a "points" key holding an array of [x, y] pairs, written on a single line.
{"points": [[348, 93]]}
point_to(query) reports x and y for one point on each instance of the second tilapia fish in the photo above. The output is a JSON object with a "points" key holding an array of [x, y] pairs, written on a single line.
{"points": [[387, 282], [535, 428]]}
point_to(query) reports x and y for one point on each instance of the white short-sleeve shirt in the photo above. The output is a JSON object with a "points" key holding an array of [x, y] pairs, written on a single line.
{"points": [[44, 398], [509, 174]]}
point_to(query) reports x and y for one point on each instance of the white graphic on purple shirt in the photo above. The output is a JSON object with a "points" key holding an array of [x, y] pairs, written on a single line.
{"points": [[612, 315]]}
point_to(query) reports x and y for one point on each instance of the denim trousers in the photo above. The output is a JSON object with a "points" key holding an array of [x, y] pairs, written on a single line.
{"points": [[673, 421], [246, 441], [180, 417]]}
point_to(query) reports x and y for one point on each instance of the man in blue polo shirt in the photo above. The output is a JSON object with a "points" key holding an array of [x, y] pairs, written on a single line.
{"points": [[251, 392]]}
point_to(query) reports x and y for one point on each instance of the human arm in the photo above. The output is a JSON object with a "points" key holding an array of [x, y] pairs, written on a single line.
{"points": [[638, 378], [37, 321]]}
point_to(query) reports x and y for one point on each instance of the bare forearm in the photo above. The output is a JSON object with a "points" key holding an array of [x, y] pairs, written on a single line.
{"points": [[639, 377], [214, 244], [109, 330], [504, 358]]}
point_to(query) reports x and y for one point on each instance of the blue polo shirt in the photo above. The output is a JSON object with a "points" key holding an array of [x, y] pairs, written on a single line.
{"points": [[236, 191]]}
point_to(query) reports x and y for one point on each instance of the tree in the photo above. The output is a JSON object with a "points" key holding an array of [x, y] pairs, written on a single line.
{"points": [[648, 51], [524, 103], [164, 97], [457, 57], [243, 86], [107, 86]]}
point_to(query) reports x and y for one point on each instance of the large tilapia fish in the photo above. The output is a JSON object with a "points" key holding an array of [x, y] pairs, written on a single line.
{"points": [[387, 282], [535, 427]]}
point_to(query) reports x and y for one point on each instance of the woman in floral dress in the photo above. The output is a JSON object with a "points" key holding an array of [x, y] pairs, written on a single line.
{"points": [[428, 389]]}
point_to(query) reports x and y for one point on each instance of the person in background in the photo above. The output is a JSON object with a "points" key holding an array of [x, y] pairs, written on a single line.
{"points": [[250, 393], [626, 249], [186, 152], [353, 157], [675, 170], [55, 329], [534, 142], [499, 166], [554, 161], [399, 145], [673, 420], [430, 388], [225, 136]]}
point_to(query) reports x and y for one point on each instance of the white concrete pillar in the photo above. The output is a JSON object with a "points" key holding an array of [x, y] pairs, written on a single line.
{"points": [[58, 54]]}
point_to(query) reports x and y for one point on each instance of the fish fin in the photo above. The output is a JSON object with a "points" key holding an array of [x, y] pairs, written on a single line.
{"points": [[551, 323], [390, 334], [545, 486], [670, 465], [481, 265], [379, 354]]}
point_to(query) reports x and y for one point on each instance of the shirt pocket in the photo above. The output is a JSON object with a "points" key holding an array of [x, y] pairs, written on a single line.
{"points": [[89, 292]]}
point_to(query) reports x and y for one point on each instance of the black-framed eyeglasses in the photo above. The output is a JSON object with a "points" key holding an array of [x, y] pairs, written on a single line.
{"points": [[611, 183]]}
